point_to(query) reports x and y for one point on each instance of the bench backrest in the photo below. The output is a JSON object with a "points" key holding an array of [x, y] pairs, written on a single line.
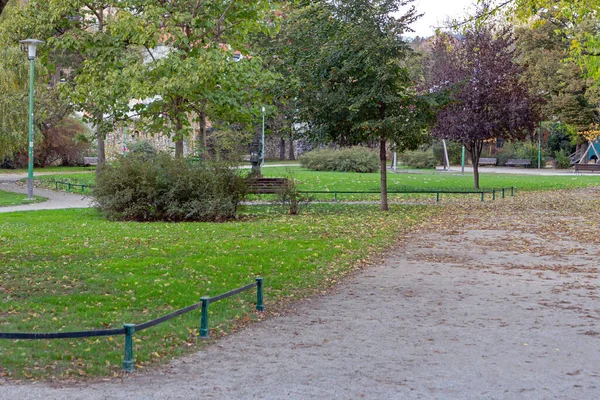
{"points": [[519, 161]]}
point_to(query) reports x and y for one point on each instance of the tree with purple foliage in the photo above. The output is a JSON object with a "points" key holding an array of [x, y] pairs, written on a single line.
{"points": [[488, 99]]}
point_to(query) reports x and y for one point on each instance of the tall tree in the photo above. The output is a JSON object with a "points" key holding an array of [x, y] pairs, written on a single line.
{"points": [[173, 57], [569, 95], [196, 73], [488, 98], [78, 36], [14, 102], [353, 84]]}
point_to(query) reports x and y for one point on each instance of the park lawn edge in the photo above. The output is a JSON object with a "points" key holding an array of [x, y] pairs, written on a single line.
{"points": [[9, 199], [275, 305]]}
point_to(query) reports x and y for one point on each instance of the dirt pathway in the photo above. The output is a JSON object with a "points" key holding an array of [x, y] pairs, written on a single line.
{"points": [[499, 301], [56, 200]]}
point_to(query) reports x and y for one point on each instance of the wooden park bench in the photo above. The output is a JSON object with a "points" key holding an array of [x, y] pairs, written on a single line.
{"points": [[266, 185], [90, 160], [518, 162], [488, 161], [586, 167]]}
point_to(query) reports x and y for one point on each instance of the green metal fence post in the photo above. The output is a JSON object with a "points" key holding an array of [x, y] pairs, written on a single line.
{"points": [[502, 192], [204, 318], [493, 194], [69, 187], [128, 363], [335, 196], [437, 197], [482, 194], [82, 188], [512, 191], [259, 295]]}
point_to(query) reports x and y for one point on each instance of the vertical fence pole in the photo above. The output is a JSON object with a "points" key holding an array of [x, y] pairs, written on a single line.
{"points": [[259, 295], [56, 184], [482, 194], [68, 187], [128, 363], [204, 318], [493, 194], [437, 197], [82, 189], [335, 196], [512, 191], [502, 192]]}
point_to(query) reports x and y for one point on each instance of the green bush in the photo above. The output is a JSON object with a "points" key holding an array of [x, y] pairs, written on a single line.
{"points": [[529, 151], [454, 152], [146, 187], [508, 151], [352, 159], [419, 159], [142, 147], [562, 159]]}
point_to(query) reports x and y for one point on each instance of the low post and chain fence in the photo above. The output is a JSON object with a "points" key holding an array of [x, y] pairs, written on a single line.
{"points": [[129, 329]]}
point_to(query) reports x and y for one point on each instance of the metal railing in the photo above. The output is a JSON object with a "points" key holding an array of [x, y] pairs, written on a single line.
{"points": [[70, 185], [129, 329], [437, 193]]}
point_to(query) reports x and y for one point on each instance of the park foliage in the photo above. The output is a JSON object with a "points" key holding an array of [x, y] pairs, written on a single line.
{"points": [[351, 159], [158, 187]]}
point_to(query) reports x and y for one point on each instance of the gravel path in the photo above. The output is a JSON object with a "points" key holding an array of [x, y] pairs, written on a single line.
{"points": [[498, 303], [56, 200]]}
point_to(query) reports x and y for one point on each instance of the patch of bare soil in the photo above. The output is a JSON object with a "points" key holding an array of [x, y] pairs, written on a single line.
{"points": [[490, 301]]}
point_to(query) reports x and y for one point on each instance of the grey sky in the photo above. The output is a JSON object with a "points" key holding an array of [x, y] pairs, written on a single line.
{"points": [[435, 13]]}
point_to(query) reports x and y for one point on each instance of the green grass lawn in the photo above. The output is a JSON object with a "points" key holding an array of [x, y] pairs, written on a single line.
{"points": [[427, 180], [70, 270], [14, 199], [47, 169], [423, 180], [79, 178]]}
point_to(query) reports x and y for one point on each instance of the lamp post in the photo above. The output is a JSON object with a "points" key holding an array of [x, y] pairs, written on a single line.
{"points": [[262, 153], [32, 45]]}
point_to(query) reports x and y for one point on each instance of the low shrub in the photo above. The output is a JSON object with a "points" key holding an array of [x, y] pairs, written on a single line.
{"points": [[146, 187], [419, 159], [142, 147], [562, 159], [529, 151], [507, 152], [454, 152], [352, 159]]}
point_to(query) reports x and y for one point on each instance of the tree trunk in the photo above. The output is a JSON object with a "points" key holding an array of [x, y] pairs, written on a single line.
{"points": [[179, 142], [383, 163], [100, 141], [282, 149], [203, 151], [291, 152], [475, 150]]}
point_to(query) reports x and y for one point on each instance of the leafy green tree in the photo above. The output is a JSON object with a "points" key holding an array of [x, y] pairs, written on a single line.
{"points": [[568, 19], [172, 57], [78, 36], [50, 109], [570, 96], [349, 63], [196, 75]]}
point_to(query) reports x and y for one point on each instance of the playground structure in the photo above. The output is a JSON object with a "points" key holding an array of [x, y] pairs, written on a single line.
{"points": [[592, 152]]}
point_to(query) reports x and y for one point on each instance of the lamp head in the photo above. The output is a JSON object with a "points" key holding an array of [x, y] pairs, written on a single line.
{"points": [[32, 45]]}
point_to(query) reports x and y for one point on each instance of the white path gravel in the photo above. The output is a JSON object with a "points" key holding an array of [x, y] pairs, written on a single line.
{"points": [[56, 200], [446, 316]]}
